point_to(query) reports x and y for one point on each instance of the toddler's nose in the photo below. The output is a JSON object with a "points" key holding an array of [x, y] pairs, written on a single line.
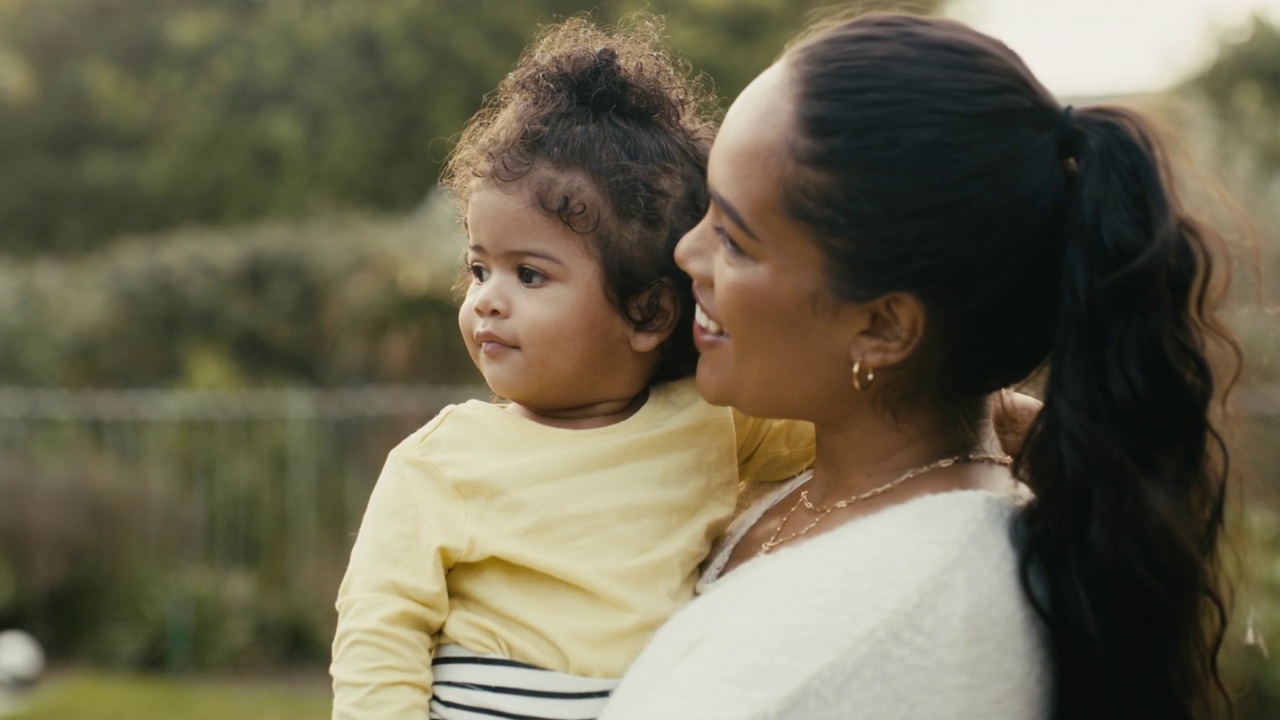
{"points": [[490, 300]]}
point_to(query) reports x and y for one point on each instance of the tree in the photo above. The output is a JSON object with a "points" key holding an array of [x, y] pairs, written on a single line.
{"points": [[1243, 84], [126, 116]]}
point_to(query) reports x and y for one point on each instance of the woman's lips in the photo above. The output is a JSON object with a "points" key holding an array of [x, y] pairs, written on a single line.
{"points": [[705, 322], [707, 332]]}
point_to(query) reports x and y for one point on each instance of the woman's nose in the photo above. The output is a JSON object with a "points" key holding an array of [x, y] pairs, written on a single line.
{"points": [[691, 253]]}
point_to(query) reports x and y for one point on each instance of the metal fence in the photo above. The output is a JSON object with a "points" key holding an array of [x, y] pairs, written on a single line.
{"points": [[290, 461], [238, 477], [260, 487], [264, 487], [228, 468]]}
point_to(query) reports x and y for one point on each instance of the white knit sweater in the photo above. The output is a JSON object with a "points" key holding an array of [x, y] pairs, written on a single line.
{"points": [[914, 613]]}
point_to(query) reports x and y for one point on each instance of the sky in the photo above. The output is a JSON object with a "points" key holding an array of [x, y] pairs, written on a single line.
{"points": [[1112, 47]]}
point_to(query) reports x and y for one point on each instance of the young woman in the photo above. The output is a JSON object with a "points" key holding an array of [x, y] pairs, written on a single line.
{"points": [[903, 220]]}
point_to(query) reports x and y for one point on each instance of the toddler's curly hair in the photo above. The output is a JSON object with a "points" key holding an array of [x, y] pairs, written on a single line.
{"points": [[611, 132]]}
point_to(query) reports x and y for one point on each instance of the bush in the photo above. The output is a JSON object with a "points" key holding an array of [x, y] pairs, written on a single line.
{"points": [[338, 300]]}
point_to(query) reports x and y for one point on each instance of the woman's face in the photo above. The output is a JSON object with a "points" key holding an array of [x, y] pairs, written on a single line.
{"points": [[774, 341]]}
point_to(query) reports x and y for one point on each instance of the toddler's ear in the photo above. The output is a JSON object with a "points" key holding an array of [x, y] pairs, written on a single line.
{"points": [[659, 309]]}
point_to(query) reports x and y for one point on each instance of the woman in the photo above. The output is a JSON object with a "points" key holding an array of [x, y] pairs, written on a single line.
{"points": [[903, 221]]}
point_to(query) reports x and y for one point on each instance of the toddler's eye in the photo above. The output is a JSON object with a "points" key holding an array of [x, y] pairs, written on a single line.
{"points": [[529, 276], [479, 272]]}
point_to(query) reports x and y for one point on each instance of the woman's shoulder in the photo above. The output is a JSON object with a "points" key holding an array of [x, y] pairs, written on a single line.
{"points": [[901, 549], [950, 631], [876, 570], [880, 615], [941, 527], [950, 555]]}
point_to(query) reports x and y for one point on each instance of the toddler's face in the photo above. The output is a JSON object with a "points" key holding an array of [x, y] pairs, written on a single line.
{"points": [[535, 317]]}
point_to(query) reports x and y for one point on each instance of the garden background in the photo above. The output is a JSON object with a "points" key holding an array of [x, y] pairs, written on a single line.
{"points": [[225, 294]]}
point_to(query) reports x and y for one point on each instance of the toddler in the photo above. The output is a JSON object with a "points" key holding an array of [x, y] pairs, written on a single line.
{"points": [[515, 557]]}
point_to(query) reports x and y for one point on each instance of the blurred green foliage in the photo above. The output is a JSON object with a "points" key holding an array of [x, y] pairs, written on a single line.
{"points": [[217, 194], [121, 116], [1240, 140], [326, 301], [1243, 85], [125, 124]]}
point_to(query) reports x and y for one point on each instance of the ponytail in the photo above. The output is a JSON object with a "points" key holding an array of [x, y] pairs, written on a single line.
{"points": [[1119, 551], [927, 159]]}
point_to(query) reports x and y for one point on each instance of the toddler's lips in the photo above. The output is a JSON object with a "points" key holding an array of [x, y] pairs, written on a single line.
{"points": [[490, 342]]}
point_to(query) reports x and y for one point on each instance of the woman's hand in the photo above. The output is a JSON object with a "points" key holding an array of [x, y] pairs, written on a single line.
{"points": [[1012, 414]]}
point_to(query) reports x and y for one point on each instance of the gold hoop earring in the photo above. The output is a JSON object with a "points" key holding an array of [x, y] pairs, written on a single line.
{"points": [[857, 381]]}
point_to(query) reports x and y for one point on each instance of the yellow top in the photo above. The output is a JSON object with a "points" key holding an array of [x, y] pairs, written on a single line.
{"points": [[563, 549]]}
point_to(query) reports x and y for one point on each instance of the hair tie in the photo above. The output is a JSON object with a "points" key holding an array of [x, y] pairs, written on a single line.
{"points": [[1070, 139]]}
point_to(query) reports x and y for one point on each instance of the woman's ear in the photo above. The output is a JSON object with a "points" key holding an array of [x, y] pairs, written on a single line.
{"points": [[660, 305], [893, 329]]}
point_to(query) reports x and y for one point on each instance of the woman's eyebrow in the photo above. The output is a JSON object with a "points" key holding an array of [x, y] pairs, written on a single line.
{"points": [[733, 214]]}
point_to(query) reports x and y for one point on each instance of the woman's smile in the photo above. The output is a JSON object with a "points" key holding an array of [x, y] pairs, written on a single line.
{"points": [[707, 333]]}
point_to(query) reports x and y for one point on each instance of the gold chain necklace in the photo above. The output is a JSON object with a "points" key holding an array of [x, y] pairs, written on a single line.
{"points": [[825, 510]]}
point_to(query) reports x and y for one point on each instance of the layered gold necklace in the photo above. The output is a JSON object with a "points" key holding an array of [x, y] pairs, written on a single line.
{"points": [[824, 510]]}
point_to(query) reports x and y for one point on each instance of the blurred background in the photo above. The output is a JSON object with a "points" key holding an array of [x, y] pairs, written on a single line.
{"points": [[224, 296]]}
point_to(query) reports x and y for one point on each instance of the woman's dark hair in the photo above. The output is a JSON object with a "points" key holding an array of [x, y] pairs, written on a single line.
{"points": [[928, 160], [611, 135]]}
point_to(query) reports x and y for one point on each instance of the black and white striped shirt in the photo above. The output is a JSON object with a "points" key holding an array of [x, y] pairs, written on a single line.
{"points": [[472, 686]]}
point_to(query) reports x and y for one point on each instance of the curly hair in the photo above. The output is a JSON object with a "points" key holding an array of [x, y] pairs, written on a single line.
{"points": [[611, 133]]}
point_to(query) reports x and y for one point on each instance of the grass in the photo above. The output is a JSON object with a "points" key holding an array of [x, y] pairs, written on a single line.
{"points": [[93, 695]]}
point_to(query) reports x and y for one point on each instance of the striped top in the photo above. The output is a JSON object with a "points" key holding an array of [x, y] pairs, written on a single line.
{"points": [[479, 686]]}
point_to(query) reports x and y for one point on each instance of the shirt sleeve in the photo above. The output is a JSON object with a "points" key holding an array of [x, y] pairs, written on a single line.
{"points": [[771, 450], [393, 599]]}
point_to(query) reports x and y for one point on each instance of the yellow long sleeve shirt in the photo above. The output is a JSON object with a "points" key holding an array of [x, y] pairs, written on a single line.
{"points": [[563, 549]]}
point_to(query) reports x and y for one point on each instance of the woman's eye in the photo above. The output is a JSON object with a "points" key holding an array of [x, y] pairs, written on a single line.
{"points": [[729, 243], [479, 272], [529, 276]]}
